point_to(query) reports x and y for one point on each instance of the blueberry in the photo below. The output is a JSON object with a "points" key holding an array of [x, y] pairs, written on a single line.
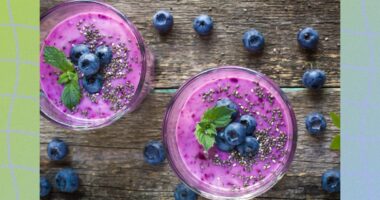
{"points": [[234, 133], [163, 21], [230, 104], [154, 152], [57, 149], [249, 147], [77, 51], [45, 187], [67, 180], [93, 84], [308, 38], [250, 124], [314, 79], [89, 64], [203, 24], [182, 192], [315, 123], [221, 142], [331, 180], [253, 41], [104, 54]]}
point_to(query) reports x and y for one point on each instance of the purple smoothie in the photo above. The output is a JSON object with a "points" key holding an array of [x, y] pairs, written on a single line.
{"points": [[228, 174], [122, 76]]}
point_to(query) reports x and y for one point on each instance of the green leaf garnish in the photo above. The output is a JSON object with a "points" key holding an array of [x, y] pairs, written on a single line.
{"points": [[335, 144], [71, 94], [203, 138], [63, 79], [335, 119], [67, 77], [57, 58], [216, 117]]}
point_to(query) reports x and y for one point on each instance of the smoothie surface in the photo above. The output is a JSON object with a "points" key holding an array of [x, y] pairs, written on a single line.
{"points": [[228, 171], [121, 76]]}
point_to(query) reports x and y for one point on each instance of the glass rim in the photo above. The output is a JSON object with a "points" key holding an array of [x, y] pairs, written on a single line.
{"points": [[142, 48], [273, 180]]}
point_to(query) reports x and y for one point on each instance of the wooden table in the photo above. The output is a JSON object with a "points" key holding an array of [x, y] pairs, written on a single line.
{"points": [[110, 162]]}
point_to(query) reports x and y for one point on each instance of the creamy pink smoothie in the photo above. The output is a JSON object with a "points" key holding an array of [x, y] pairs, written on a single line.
{"points": [[228, 171], [121, 76]]}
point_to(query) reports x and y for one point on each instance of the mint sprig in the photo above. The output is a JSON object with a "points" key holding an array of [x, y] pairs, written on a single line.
{"points": [[335, 143], [213, 118], [57, 58], [71, 93]]}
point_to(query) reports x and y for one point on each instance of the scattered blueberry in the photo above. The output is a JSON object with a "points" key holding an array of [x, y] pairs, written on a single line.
{"points": [[234, 133], [331, 180], [253, 40], [163, 21], [182, 192], [57, 149], [67, 180], [104, 54], [308, 38], [154, 152], [89, 64], [221, 142], [45, 187], [315, 123], [77, 51], [93, 84], [314, 79], [230, 104], [249, 147], [203, 24], [250, 124]]}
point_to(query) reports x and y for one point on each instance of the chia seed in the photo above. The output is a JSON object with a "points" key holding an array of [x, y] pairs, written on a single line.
{"points": [[118, 95]]}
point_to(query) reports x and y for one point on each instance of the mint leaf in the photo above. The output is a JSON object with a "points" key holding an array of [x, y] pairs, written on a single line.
{"points": [[216, 117], [71, 93], [207, 128], [57, 58], [211, 130], [335, 119], [219, 116], [335, 144], [206, 140], [63, 78]]}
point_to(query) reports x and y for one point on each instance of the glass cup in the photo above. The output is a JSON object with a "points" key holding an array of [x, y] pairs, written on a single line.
{"points": [[67, 9], [170, 137]]}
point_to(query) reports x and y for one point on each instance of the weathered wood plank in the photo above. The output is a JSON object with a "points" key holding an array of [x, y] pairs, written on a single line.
{"points": [[182, 54], [111, 165]]}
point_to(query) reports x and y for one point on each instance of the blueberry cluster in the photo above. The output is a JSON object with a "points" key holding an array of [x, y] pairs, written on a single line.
{"points": [[66, 180], [90, 64], [237, 135]]}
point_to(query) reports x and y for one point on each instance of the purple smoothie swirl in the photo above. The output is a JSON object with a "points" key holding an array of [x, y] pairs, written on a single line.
{"points": [[125, 79], [217, 174]]}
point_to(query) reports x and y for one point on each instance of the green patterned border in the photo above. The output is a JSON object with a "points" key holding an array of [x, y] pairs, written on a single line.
{"points": [[19, 99]]}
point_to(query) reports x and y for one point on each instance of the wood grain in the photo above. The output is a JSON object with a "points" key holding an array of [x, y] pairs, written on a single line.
{"points": [[111, 165], [182, 54]]}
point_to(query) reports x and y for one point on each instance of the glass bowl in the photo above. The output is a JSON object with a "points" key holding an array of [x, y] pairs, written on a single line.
{"points": [[176, 157], [65, 10]]}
